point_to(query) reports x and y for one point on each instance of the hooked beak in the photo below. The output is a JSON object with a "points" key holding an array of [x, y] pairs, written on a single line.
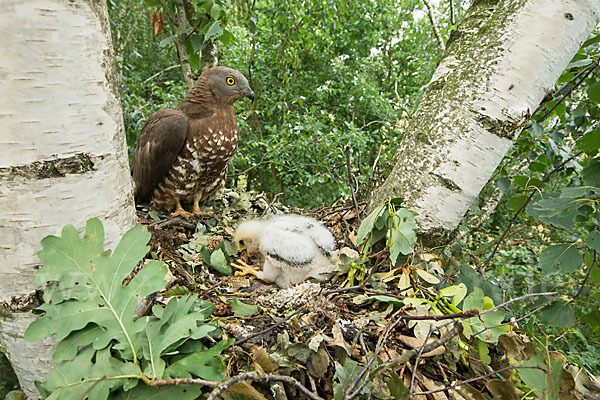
{"points": [[240, 249], [248, 93]]}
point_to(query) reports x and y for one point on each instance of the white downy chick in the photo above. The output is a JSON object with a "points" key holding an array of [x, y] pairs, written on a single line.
{"points": [[293, 247]]}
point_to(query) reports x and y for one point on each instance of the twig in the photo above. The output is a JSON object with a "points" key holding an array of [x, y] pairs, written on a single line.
{"points": [[591, 68], [175, 221], [353, 187], [414, 370], [462, 315], [184, 381], [436, 31], [254, 376], [513, 322], [179, 23], [407, 355], [367, 369], [361, 287], [87, 392], [206, 291], [481, 266], [270, 205], [455, 385], [525, 296], [377, 158], [594, 262], [160, 72], [269, 329]]}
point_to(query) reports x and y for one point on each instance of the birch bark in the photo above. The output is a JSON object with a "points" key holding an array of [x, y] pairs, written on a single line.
{"points": [[498, 65], [63, 156]]}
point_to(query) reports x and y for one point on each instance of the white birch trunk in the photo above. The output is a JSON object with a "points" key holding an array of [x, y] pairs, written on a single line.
{"points": [[498, 66], [63, 156]]}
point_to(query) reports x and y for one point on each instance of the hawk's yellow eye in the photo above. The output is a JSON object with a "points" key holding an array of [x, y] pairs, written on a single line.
{"points": [[230, 81]]}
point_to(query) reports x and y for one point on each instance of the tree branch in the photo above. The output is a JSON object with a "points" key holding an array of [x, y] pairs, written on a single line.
{"points": [[179, 22], [486, 262], [254, 376], [352, 182], [434, 26]]}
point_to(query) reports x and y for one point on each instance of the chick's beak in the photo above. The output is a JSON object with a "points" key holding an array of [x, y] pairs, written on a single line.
{"points": [[248, 93], [240, 249]]}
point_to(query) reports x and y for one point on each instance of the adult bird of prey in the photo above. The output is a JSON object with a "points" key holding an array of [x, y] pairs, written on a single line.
{"points": [[183, 152], [292, 247]]}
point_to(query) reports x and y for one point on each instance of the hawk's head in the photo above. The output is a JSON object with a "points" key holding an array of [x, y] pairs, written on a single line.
{"points": [[228, 84]]}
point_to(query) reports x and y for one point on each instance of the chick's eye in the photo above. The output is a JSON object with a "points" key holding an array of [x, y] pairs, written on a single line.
{"points": [[241, 242], [230, 81]]}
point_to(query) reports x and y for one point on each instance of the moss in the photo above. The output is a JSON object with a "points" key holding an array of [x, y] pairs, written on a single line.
{"points": [[78, 164]]}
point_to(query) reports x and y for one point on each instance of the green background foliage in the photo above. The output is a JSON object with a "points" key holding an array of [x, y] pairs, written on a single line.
{"points": [[326, 74]]}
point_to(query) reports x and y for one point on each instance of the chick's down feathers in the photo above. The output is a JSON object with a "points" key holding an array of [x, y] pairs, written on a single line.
{"points": [[293, 247]]}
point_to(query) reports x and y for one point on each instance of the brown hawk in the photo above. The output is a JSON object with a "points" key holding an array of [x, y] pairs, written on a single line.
{"points": [[183, 152]]}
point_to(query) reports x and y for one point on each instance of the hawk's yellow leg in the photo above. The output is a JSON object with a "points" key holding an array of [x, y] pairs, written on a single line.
{"points": [[196, 210], [244, 268], [180, 212]]}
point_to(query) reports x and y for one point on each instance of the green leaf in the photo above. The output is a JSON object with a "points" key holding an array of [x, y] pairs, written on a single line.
{"points": [[516, 202], [67, 348], [591, 173], [542, 385], [537, 130], [558, 314], [213, 32], [242, 309], [227, 37], [215, 11], [542, 208], [84, 376], [592, 318], [172, 324], [386, 299], [345, 376], [145, 392], [580, 63], [484, 322], [505, 185], [204, 364], [457, 292], [196, 42], [594, 92], [473, 280], [107, 303], [401, 235], [219, 262], [101, 346], [590, 142], [177, 291], [593, 240], [397, 388], [367, 224], [167, 40], [560, 257]]}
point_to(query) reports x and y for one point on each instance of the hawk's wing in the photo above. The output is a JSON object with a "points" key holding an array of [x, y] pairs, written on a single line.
{"points": [[285, 245], [162, 138]]}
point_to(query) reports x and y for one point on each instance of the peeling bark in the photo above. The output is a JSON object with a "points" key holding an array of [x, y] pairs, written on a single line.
{"points": [[63, 159], [499, 64]]}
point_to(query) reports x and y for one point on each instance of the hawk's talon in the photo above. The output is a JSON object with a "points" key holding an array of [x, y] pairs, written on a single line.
{"points": [[199, 213], [245, 269], [180, 212]]}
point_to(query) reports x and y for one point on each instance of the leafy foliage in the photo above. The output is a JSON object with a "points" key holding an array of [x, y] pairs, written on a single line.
{"points": [[103, 349], [307, 62], [560, 148]]}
